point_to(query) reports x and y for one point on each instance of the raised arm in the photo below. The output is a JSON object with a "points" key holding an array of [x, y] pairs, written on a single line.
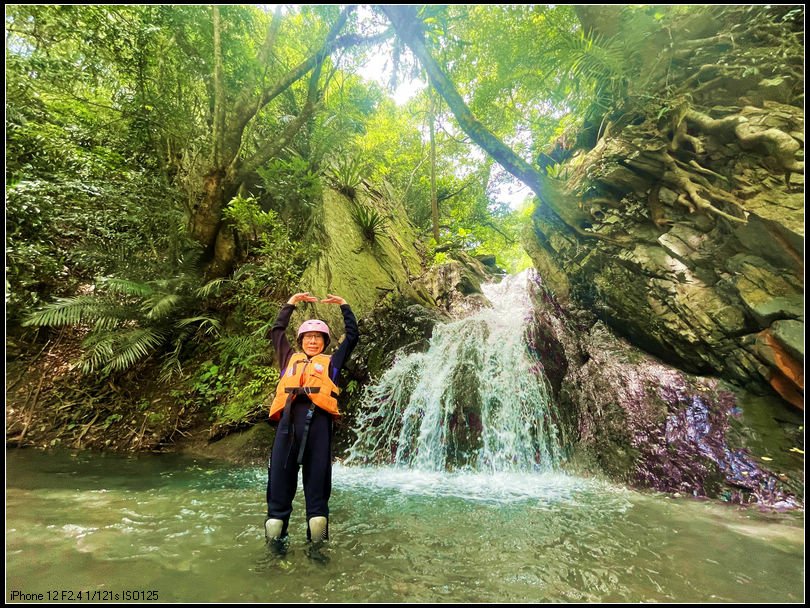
{"points": [[344, 350], [278, 334]]}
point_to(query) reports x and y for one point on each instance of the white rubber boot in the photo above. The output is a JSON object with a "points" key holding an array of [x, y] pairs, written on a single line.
{"points": [[318, 529], [273, 529]]}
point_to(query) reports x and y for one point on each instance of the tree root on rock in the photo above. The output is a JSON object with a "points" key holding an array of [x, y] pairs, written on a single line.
{"points": [[773, 142], [701, 195], [709, 68], [778, 144], [656, 208], [695, 200], [680, 135], [694, 164]]}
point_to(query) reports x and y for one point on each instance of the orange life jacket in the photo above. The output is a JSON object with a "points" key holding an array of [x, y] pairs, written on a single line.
{"points": [[310, 377]]}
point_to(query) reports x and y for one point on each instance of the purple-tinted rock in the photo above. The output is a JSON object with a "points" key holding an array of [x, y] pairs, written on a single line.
{"points": [[643, 422]]}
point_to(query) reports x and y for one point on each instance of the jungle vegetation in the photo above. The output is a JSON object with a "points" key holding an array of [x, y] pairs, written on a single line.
{"points": [[164, 166]]}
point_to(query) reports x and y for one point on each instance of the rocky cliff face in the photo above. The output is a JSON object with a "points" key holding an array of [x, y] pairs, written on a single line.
{"points": [[683, 227], [651, 425], [363, 271]]}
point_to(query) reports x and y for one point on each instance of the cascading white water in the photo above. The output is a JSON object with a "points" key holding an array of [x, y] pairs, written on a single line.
{"points": [[477, 399]]}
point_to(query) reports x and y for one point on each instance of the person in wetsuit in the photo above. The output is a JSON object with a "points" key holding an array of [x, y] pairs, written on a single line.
{"points": [[304, 408]]}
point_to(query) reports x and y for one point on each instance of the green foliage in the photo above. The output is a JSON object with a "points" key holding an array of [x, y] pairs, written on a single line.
{"points": [[61, 233], [346, 172], [132, 320], [353, 103], [250, 222], [352, 388], [536, 74], [236, 385], [292, 189], [440, 257], [275, 259], [109, 78], [83, 196], [110, 352], [34, 264], [601, 64], [371, 222]]}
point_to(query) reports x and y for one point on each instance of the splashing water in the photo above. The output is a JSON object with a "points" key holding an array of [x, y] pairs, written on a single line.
{"points": [[477, 399]]}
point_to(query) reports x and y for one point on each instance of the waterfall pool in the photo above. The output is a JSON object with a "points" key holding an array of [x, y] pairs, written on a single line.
{"points": [[168, 528]]}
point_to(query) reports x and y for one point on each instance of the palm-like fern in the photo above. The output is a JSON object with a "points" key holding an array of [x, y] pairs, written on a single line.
{"points": [[110, 351], [600, 63], [131, 320]]}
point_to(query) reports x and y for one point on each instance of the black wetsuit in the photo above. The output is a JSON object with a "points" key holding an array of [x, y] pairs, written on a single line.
{"points": [[282, 469]]}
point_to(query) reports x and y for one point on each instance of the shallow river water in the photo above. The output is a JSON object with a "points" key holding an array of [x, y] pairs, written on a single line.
{"points": [[176, 529]]}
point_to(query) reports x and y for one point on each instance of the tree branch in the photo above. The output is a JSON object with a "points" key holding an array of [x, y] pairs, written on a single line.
{"points": [[248, 109], [445, 197], [409, 29], [263, 58]]}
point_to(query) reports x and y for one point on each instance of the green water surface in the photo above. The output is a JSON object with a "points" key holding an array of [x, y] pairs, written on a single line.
{"points": [[161, 528]]}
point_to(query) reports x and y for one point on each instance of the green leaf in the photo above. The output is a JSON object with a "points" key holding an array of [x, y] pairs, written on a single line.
{"points": [[69, 311], [160, 306], [126, 287]]}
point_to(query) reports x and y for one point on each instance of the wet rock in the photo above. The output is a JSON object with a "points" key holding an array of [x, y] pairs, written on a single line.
{"points": [[786, 371], [398, 326], [456, 285], [249, 447], [651, 425], [490, 262], [790, 335], [765, 293]]}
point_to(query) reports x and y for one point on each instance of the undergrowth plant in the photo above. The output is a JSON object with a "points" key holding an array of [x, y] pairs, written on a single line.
{"points": [[131, 320]]}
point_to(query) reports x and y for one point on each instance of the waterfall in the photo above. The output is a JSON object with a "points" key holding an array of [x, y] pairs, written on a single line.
{"points": [[477, 399]]}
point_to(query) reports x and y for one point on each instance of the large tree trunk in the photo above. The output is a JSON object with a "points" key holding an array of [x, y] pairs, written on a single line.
{"points": [[204, 222], [207, 226]]}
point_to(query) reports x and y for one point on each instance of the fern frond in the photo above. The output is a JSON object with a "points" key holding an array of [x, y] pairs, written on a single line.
{"points": [[170, 368], [99, 349], [172, 365], [594, 56], [241, 350], [236, 344], [190, 264], [71, 311], [131, 346], [213, 325], [117, 315], [126, 286], [161, 305], [211, 287], [244, 269]]}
